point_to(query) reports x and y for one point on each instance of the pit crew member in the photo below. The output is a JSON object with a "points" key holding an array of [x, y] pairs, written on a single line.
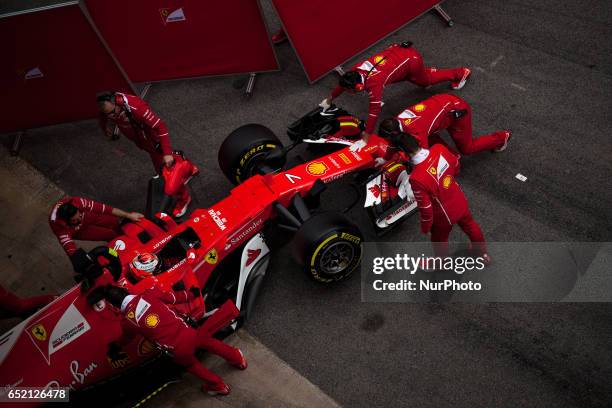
{"points": [[148, 314], [399, 62], [444, 111], [441, 202], [87, 220], [141, 125]]}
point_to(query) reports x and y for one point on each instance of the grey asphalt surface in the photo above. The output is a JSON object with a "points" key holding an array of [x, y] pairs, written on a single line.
{"points": [[543, 70]]}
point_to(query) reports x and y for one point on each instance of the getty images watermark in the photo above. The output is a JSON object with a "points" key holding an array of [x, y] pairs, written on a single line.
{"points": [[411, 265], [519, 272]]}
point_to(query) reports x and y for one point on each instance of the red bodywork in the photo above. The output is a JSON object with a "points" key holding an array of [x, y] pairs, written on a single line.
{"points": [[65, 343]]}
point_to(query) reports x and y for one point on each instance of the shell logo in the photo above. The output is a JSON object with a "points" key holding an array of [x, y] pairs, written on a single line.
{"points": [[379, 59], [446, 181], [419, 107], [316, 168], [152, 320]]}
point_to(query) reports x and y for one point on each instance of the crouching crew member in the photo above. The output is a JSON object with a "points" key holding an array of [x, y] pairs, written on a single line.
{"points": [[141, 125], [148, 315], [441, 202], [444, 111], [399, 62], [87, 220]]}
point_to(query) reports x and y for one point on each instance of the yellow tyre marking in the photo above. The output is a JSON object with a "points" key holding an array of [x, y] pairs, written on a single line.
{"points": [[321, 245]]}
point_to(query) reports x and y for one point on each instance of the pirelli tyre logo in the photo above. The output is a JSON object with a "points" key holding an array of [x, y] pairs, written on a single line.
{"points": [[317, 168], [350, 237], [255, 150]]}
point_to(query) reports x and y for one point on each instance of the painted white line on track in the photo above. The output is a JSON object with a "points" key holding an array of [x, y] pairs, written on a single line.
{"points": [[517, 86], [496, 61]]}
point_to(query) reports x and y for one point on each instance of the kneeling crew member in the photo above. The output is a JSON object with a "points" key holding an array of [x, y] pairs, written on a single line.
{"points": [[148, 315], [399, 62], [444, 111]]}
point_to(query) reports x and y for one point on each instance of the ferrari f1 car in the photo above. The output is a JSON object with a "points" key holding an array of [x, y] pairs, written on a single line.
{"points": [[388, 196], [221, 249]]}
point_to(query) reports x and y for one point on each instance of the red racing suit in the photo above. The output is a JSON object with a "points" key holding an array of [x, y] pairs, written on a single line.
{"points": [[440, 199], [434, 114], [142, 126], [148, 314], [98, 224], [395, 64], [17, 306]]}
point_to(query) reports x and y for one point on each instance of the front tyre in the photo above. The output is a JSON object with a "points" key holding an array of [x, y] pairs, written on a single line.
{"points": [[329, 246], [245, 149]]}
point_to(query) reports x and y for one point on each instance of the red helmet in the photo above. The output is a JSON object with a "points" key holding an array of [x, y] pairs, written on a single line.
{"points": [[144, 265]]}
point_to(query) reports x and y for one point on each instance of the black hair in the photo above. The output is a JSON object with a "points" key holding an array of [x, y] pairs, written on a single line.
{"points": [[388, 127], [66, 211], [350, 79], [106, 96], [407, 143], [115, 295]]}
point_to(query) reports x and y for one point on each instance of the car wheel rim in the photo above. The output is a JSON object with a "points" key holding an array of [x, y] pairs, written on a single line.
{"points": [[337, 257], [251, 168]]}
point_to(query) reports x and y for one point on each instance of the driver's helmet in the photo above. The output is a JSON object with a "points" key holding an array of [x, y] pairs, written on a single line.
{"points": [[144, 265]]}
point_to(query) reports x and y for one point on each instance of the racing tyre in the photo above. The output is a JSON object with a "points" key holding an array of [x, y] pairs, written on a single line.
{"points": [[329, 246], [245, 149]]}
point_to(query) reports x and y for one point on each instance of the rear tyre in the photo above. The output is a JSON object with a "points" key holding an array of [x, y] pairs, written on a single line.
{"points": [[245, 149], [329, 246]]}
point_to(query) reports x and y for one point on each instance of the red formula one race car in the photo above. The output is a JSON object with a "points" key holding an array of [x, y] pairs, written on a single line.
{"points": [[221, 249], [388, 195]]}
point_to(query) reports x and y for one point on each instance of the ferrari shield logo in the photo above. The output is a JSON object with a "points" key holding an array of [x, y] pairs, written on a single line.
{"points": [[212, 257], [39, 332], [432, 170]]}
